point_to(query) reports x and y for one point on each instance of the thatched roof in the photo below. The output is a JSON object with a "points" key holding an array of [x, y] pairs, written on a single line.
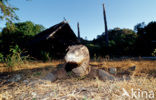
{"points": [[61, 31], [54, 39]]}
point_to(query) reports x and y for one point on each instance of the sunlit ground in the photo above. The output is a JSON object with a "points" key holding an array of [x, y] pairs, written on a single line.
{"points": [[27, 82]]}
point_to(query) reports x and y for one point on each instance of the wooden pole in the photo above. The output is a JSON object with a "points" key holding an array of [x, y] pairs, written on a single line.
{"points": [[105, 23], [78, 29]]}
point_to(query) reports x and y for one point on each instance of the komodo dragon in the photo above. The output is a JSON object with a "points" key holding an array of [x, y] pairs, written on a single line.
{"points": [[77, 60]]}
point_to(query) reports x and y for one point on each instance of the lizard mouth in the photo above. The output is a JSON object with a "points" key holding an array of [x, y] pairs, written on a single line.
{"points": [[70, 65]]}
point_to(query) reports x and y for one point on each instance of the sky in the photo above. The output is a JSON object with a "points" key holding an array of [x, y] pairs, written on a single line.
{"points": [[89, 13]]}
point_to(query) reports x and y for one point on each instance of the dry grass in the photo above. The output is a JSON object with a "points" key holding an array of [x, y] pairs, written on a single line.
{"points": [[29, 65], [32, 86], [143, 67], [73, 89]]}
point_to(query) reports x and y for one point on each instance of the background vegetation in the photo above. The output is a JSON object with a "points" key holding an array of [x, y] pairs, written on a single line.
{"points": [[125, 42], [122, 42]]}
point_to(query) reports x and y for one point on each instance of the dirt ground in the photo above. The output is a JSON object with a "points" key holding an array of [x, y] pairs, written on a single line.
{"points": [[28, 82]]}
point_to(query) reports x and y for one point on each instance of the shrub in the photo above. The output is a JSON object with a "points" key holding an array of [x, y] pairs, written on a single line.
{"points": [[154, 52], [15, 58], [1, 57], [45, 56]]}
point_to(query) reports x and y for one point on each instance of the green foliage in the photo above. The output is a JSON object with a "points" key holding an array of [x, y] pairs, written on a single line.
{"points": [[7, 11], [121, 42], [146, 36], [18, 33], [93, 48], [45, 56], [27, 28], [112, 43], [125, 42], [1, 57], [14, 58], [154, 52], [139, 26], [15, 50], [122, 37]]}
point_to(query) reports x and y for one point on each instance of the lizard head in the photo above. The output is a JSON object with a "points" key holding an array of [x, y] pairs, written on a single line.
{"points": [[76, 54]]}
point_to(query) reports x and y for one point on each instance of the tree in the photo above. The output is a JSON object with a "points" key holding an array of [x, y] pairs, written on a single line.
{"points": [[28, 28], [139, 26], [18, 34], [121, 42], [7, 11], [146, 36]]}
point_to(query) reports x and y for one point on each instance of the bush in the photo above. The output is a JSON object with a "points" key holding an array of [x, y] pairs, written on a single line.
{"points": [[18, 34], [154, 52], [15, 58], [45, 56], [1, 57]]}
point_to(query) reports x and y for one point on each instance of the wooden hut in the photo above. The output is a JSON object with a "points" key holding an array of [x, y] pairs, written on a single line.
{"points": [[53, 41]]}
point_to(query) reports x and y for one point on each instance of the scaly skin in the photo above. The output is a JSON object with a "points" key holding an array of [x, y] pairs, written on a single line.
{"points": [[78, 55]]}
